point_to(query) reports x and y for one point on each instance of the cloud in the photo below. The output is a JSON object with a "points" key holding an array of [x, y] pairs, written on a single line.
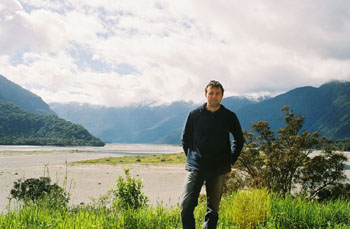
{"points": [[117, 53]]}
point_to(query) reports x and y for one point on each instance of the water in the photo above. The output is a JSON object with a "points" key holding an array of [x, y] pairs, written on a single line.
{"points": [[12, 157], [115, 148]]}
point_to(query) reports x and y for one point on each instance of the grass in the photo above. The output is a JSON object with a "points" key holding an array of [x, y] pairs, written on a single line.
{"points": [[242, 209], [175, 158]]}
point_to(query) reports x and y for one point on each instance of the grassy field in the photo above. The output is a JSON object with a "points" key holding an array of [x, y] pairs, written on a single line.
{"points": [[243, 209], [175, 158]]}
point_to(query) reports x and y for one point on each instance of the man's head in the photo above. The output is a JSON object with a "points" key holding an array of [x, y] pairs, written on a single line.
{"points": [[214, 93], [214, 83]]}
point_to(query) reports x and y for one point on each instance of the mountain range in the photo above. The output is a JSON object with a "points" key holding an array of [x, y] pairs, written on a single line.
{"points": [[25, 119], [326, 109]]}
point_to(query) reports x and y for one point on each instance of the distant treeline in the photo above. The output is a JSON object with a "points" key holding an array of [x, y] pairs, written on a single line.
{"points": [[343, 144], [19, 127], [48, 141]]}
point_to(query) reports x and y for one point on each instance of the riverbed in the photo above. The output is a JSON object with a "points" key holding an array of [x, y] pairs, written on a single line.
{"points": [[162, 184]]}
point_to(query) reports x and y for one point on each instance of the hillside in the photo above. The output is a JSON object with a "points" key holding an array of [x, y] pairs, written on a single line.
{"points": [[326, 109], [23, 98], [21, 127]]}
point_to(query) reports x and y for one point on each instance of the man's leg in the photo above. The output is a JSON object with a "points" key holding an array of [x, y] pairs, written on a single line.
{"points": [[214, 187], [189, 198]]}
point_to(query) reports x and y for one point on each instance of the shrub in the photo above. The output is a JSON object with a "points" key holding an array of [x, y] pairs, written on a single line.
{"points": [[128, 194], [286, 161], [33, 190]]}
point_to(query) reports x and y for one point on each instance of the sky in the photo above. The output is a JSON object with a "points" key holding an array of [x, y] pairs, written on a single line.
{"points": [[129, 52]]}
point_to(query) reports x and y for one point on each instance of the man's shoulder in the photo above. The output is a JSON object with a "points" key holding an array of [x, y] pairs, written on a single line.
{"points": [[197, 109], [227, 111]]}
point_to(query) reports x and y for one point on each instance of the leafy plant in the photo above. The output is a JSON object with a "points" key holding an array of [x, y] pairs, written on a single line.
{"points": [[128, 194], [33, 190], [289, 158]]}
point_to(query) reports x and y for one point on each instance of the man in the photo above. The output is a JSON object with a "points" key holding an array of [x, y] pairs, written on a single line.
{"points": [[206, 143]]}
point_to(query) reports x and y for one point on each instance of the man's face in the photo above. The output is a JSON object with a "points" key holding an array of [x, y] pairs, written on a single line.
{"points": [[214, 96]]}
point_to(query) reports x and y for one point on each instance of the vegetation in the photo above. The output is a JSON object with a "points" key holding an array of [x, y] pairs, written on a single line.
{"points": [[343, 144], [20, 127], [35, 191], [128, 193], [248, 208], [174, 158], [261, 209], [288, 159]]}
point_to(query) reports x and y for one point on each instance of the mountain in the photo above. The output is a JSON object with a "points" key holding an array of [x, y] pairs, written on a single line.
{"points": [[326, 109], [136, 124], [26, 119], [23, 98], [20, 127]]}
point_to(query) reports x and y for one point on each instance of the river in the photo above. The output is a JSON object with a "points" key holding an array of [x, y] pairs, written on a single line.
{"points": [[17, 156]]}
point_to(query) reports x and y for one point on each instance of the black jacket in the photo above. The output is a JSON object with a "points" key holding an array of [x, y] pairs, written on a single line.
{"points": [[206, 140]]}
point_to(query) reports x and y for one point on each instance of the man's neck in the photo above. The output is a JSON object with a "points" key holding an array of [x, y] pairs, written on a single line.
{"points": [[213, 109]]}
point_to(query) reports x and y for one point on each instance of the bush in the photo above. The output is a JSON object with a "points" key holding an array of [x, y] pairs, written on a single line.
{"points": [[34, 190], [128, 194], [286, 161]]}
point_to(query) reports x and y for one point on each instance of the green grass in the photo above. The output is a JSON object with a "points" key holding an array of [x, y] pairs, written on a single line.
{"points": [[175, 158], [242, 209]]}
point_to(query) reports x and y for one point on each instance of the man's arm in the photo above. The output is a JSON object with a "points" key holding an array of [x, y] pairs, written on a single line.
{"points": [[238, 141], [187, 134]]}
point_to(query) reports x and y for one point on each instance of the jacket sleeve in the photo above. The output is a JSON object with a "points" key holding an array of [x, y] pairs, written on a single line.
{"points": [[238, 139], [187, 134]]}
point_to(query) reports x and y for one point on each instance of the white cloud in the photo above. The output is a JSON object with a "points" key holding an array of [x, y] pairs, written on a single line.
{"points": [[127, 52]]}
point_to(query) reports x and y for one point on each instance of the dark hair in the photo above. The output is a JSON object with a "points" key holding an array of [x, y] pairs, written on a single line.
{"points": [[214, 83]]}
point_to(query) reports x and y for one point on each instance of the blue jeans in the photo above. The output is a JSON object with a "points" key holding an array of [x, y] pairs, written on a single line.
{"points": [[192, 187]]}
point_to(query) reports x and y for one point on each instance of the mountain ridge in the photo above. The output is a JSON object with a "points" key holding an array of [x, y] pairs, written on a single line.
{"points": [[135, 125], [326, 109], [23, 98], [25, 119]]}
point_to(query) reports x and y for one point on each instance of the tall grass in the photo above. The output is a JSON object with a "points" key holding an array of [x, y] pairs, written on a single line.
{"points": [[243, 209], [289, 212], [246, 208]]}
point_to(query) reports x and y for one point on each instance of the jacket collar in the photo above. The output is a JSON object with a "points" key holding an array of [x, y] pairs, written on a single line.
{"points": [[204, 108]]}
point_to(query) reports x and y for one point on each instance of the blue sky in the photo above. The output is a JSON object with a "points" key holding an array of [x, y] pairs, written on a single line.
{"points": [[124, 52]]}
